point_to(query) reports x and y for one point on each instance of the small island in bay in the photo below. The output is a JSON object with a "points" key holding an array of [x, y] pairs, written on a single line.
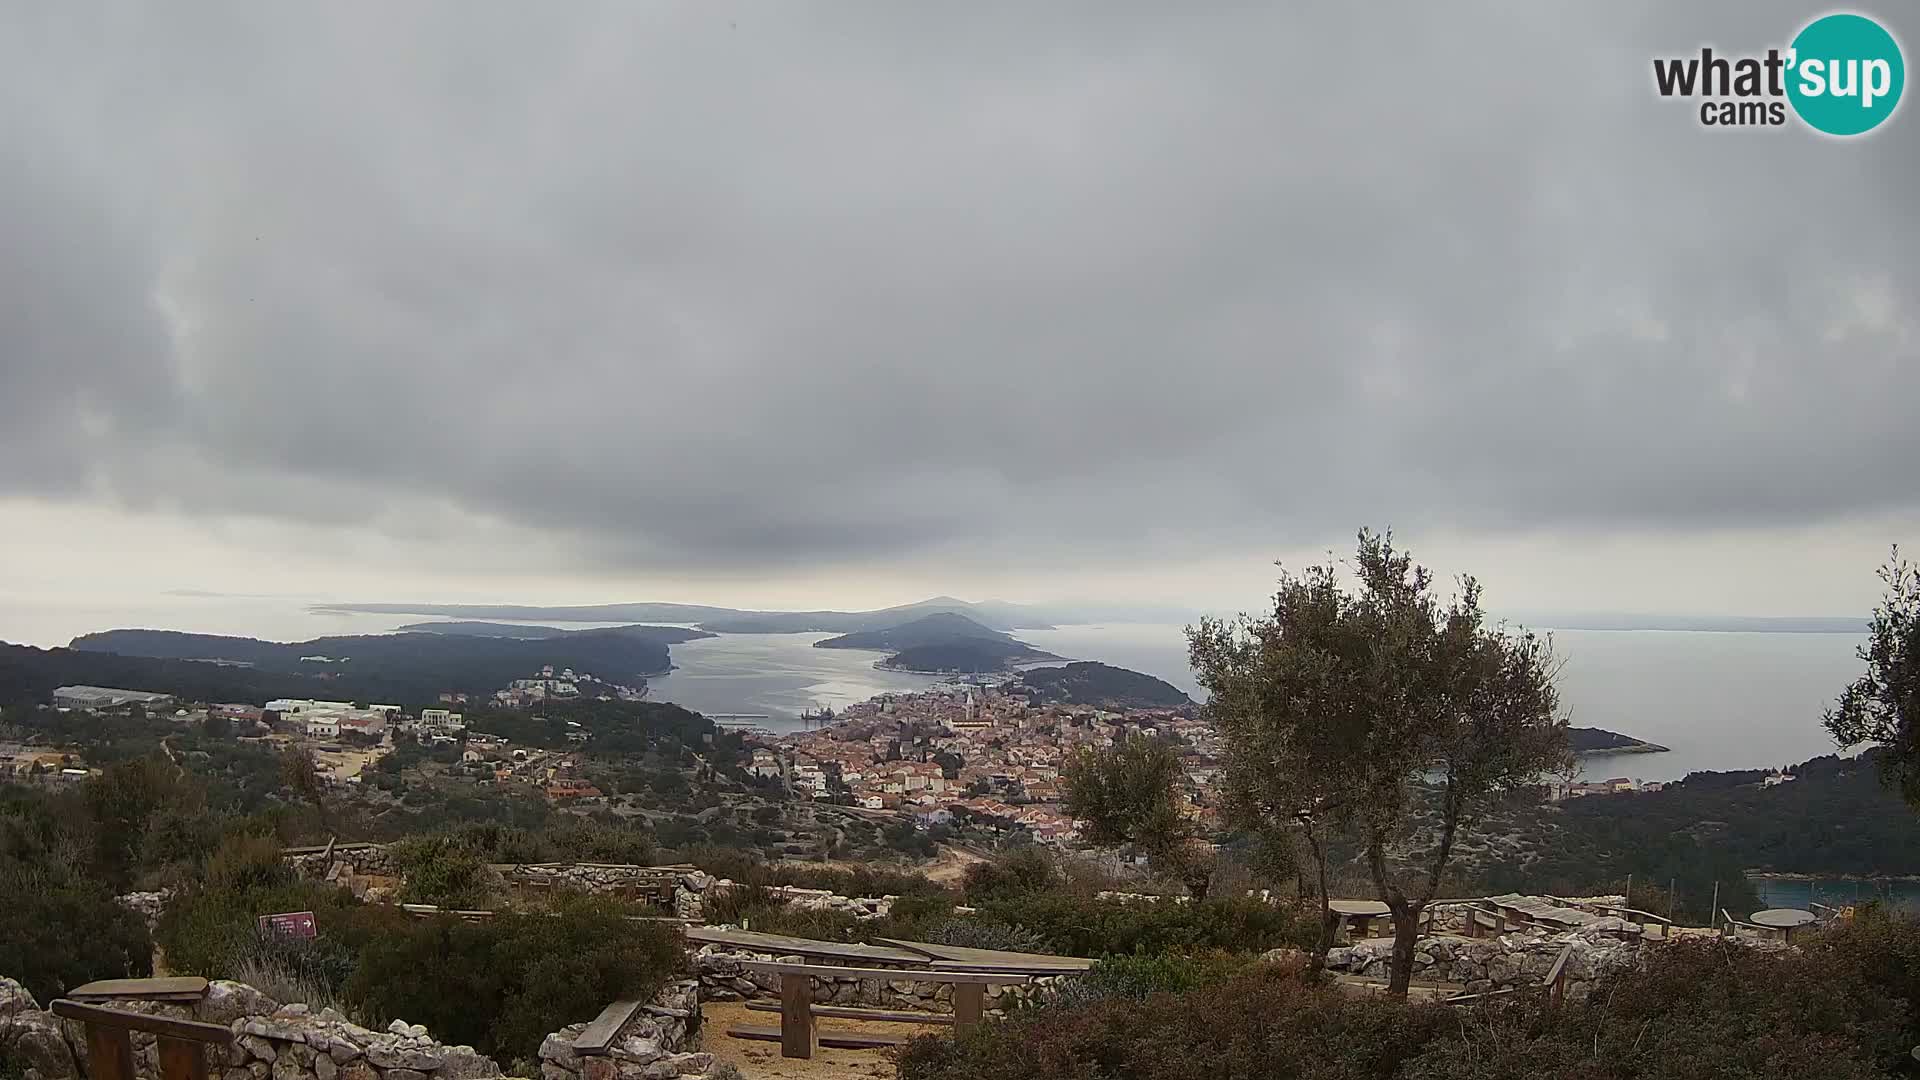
{"points": [[1085, 682], [1591, 740]]}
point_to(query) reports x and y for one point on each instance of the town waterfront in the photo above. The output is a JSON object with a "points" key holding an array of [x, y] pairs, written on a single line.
{"points": [[1717, 700]]}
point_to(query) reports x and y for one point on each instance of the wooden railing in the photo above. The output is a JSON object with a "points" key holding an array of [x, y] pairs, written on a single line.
{"points": [[183, 1043]]}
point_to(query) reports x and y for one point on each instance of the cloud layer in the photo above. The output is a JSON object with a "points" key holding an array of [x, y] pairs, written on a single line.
{"points": [[760, 289]]}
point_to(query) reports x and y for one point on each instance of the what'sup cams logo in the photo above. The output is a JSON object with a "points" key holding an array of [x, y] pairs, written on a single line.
{"points": [[1841, 75]]}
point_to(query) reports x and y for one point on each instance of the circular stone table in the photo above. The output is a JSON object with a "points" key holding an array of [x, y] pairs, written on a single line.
{"points": [[1358, 915], [1783, 919]]}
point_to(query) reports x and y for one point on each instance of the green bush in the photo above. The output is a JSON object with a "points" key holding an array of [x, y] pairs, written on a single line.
{"points": [[443, 870], [1143, 975], [502, 984], [1080, 926], [58, 931], [1692, 1009], [977, 933], [1262, 1024], [1020, 872], [1880, 947]]}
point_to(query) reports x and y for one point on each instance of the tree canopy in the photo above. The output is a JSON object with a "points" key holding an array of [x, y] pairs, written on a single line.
{"points": [[1343, 703], [1879, 707]]}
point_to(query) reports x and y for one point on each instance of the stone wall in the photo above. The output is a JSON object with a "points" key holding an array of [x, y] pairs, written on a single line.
{"points": [[723, 978], [654, 1044], [364, 859], [691, 888], [271, 1041], [293, 1042], [1494, 963]]}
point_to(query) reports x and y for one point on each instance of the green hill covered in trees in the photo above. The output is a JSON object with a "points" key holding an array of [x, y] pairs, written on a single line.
{"points": [[1085, 682]]}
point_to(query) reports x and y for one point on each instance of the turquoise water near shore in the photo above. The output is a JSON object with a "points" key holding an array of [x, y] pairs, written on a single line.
{"points": [[1837, 892]]}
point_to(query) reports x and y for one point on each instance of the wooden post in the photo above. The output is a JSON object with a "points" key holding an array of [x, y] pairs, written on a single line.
{"points": [[798, 1037], [969, 1006], [1629, 890], [1712, 912], [109, 1053], [182, 1060], [1671, 894]]}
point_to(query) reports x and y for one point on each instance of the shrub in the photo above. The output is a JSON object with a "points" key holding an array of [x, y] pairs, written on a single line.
{"points": [[442, 870], [246, 862], [1020, 872], [978, 933], [1142, 975], [1694, 1009], [1882, 948], [1079, 926], [58, 931], [1257, 1025], [502, 984]]}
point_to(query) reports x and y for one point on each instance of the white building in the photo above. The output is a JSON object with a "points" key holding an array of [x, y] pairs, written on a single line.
{"points": [[440, 721], [301, 706], [323, 727]]}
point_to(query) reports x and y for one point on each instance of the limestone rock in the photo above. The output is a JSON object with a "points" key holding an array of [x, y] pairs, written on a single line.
{"points": [[39, 1046], [391, 1058], [635, 1048], [14, 998], [258, 1047], [465, 1063], [693, 1064], [324, 1067], [359, 1070], [558, 1049], [289, 1068], [405, 1074]]}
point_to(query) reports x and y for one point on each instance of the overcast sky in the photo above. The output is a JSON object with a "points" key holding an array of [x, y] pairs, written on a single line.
{"points": [[838, 304]]}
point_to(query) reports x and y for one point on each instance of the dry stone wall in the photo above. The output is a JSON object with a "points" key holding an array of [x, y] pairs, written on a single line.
{"points": [[1495, 963], [293, 1042], [724, 978], [653, 1045], [271, 1041]]}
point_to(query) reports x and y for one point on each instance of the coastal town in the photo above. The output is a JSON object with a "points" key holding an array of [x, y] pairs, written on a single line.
{"points": [[985, 752], [989, 751]]}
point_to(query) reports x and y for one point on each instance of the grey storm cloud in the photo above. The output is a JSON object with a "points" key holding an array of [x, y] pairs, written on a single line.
{"points": [[750, 285]]}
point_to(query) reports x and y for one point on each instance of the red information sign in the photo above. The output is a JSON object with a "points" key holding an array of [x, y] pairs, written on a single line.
{"points": [[292, 924]]}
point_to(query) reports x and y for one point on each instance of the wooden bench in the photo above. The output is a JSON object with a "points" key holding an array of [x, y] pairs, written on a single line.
{"points": [[182, 1043], [798, 1034], [177, 988], [1645, 920]]}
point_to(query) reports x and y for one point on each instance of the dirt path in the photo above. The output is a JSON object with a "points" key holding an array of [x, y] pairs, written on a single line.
{"points": [[951, 864], [762, 1060]]}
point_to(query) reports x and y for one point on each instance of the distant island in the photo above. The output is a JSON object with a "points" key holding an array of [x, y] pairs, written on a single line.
{"points": [[1592, 740], [1084, 682], [944, 643], [991, 613], [666, 635], [406, 668]]}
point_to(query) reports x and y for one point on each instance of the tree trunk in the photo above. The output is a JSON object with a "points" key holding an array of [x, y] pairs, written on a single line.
{"points": [[1324, 943], [1406, 934]]}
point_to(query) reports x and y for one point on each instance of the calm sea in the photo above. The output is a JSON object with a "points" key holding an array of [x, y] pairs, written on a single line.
{"points": [[1719, 700]]}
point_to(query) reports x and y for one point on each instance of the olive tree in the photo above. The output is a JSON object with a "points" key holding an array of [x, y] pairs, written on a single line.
{"points": [[1272, 685], [1130, 796], [1383, 712], [1881, 706]]}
